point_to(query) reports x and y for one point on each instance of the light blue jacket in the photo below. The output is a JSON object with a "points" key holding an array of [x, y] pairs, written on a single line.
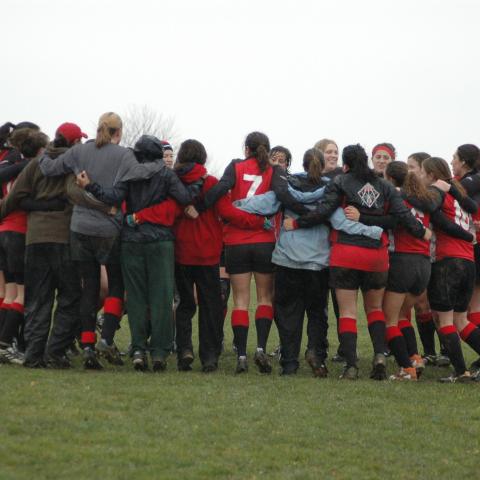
{"points": [[304, 248]]}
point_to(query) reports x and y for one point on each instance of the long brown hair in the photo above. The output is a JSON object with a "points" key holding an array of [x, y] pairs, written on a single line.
{"points": [[259, 146], [323, 144], [313, 164], [439, 169], [108, 125], [407, 181]]}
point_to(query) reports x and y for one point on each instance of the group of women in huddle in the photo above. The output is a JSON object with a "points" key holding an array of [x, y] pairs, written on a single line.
{"points": [[402, 233]]}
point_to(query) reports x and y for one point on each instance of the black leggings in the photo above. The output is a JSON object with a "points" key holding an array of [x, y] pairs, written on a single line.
{"points": [[90, 277]]}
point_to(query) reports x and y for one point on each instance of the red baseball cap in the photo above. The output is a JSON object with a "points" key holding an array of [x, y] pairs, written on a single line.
{"points": [[71, 132]]}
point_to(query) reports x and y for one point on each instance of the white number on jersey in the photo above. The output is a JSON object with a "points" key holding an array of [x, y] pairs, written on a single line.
{"points": [[256, 181], [461, 217]]}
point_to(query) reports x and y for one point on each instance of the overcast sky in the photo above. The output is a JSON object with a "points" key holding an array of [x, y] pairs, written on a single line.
{"points": [[406, 72]]}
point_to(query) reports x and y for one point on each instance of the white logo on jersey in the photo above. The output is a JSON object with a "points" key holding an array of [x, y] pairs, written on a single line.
{"points": [[256, 179], [461, 217], [368, 195]]}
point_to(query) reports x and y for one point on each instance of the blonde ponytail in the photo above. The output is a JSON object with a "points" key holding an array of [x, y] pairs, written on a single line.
{"points": [[108, 125]]}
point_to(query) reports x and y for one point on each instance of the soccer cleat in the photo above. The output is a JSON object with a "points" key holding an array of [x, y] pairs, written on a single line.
{"points": [[159, 364], [209, 368], [262, 361], [418, 364], [429, 359], [379, 367], [14, 356], [349, 373], [185, 360], [475, 367], [242, 365], [463, 378], [139, 361], [405, 374], [58, 362], [109, 352], [90, 360], [276, 352], [288, 370], [318, 368], [442, 361], [337, 358], [35, 363]]}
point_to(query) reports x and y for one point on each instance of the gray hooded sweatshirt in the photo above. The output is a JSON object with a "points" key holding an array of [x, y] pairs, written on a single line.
{"points": [[106, 166]]}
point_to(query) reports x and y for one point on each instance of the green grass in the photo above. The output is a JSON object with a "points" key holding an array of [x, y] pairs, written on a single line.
{"points": [[120, 424]]}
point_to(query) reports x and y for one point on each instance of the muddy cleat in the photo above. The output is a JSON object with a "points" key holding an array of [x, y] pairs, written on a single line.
{"points": [[418, 364], [276, 353], [58, 362], [349, 373], [242, 365], [379, 367], [463, 378], [109, 352], [90, 360], [139, 361], [337, 358], [185, 360], [442, 361], [159, 364], [262, 361], [405, 374], [35, 363], [318, 368]]}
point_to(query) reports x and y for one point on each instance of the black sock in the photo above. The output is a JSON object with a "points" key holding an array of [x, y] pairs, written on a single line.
{"points": [[240, 335], [398, 346], [452, 343], [13, 321], [426, 330], [471, 335], [263, 323], [109, 327], [409, 335], [377, 330], [347, 332]]}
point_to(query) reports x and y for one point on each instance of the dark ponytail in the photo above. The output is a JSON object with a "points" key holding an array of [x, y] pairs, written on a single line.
{"points": [[407, 181], [314, 164], [470, 155], [356, 159], [259, 146]]}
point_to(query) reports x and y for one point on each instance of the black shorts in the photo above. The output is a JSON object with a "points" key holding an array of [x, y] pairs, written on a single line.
{"points": [[103, 250], [250, 257], [476, 251], [351, 279], [12, 256], [409, 273], [451, 285]]}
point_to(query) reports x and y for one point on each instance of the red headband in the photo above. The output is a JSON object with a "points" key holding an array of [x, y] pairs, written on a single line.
{"points": [[384, 147]]}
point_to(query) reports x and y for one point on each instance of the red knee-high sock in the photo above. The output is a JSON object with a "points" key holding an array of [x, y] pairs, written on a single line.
{"points": [[474, 318]]}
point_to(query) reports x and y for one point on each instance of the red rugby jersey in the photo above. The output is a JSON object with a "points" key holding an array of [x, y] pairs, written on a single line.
{"points": [[15, 221], [404, 242], [446, 245], [249, 181]]}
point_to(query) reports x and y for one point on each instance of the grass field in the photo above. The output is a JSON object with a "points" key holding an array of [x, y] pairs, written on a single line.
{"points": [[120, 424]]}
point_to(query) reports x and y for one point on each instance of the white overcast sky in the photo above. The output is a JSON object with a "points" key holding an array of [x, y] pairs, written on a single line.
{"points": [[406, 72]]}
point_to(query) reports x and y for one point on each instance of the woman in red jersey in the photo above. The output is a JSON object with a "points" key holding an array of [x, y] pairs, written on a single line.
{"points": [[465, 165], [453, 275], [357, 262], [410, 267], [249, 251]]}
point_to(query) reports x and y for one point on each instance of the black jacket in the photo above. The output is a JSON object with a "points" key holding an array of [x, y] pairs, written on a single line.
{"points": [[373, 198], [142, 194]]}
